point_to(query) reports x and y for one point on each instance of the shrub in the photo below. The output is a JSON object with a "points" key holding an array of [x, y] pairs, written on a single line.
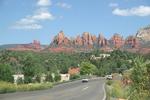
{"points": [[116, 90], [49, 77], [75, 76], [57, 77], [5, 73], [109, 82], [20, 81]]}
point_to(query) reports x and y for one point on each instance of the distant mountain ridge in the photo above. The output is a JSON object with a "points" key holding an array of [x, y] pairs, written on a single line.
{"points": [[87, 42]]}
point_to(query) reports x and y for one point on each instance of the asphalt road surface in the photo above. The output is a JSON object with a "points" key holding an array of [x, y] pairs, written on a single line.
{"points": [[93, 90]]}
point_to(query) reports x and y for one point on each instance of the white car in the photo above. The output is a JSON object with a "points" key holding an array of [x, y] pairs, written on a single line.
{"points": [[109, 77], [85, 80]]}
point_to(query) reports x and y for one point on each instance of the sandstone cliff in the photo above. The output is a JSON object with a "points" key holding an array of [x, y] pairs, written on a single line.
{"points": [[144, 33]]}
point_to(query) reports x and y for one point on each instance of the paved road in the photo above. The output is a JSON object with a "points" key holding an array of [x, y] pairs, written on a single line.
{"points": [[93, 90]]}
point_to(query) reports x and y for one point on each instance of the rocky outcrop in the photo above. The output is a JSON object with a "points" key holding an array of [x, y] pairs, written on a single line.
{"points": [[132, 42], [87, 40], [102, 41], [144, 33], [78, 41], [117, 41], [94, 38], [34, 46], [60, 40]]}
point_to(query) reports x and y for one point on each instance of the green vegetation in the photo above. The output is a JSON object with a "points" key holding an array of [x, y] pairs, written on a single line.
{"points": [[140, 76], [135, 83], [5, 73], [76, 76], [87, 68], [6, 87], [116, 63], [35, 64], [115, 89]]}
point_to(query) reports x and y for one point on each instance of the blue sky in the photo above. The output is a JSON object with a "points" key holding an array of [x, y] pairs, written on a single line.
{"points": [[22, 21]]}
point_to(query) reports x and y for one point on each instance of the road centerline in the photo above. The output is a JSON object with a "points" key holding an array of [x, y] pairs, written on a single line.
{"points": [[85, 88]]}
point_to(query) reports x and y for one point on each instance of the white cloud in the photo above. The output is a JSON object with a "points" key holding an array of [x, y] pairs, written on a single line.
{"points": [[32, 21], [63, 5], [42, 14], [31, 26], [44, 3], [27, 23], [113, 5], [135, 11]]}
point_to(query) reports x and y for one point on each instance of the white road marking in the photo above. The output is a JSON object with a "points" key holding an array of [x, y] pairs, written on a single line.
{"points": [[85, 88], [104, 98]]}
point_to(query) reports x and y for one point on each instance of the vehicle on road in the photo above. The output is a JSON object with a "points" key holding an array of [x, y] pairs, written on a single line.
{"points": [[109, 77], [85, 80]]}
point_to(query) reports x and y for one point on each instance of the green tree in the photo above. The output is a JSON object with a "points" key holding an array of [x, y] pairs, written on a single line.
{"points": [[6, 73], [57, 77], [31, 68], [87, 68], [49, 77], [140, 77]]}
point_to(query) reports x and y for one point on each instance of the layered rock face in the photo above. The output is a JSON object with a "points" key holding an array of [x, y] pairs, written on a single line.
{"points": [[132, 42], [144, 34], [78, 41], [102, 41], [60, 40], [36, 44], [117, 41], [86, 40]]}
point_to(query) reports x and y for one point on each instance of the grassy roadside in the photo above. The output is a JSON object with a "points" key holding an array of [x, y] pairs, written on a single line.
{"points": [[6, 87], [116, 91]]}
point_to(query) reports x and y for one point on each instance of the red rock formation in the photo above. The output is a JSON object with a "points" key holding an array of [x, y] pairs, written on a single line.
{"points": [[94, 38], [102, 42], [117, 41], [132, 42], [60, 40], [87, 40], [66, 41], [78, 41], [36, 44]]}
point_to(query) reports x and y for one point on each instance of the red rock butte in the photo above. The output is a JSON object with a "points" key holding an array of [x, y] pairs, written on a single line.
{"points": [[85, 41]]}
